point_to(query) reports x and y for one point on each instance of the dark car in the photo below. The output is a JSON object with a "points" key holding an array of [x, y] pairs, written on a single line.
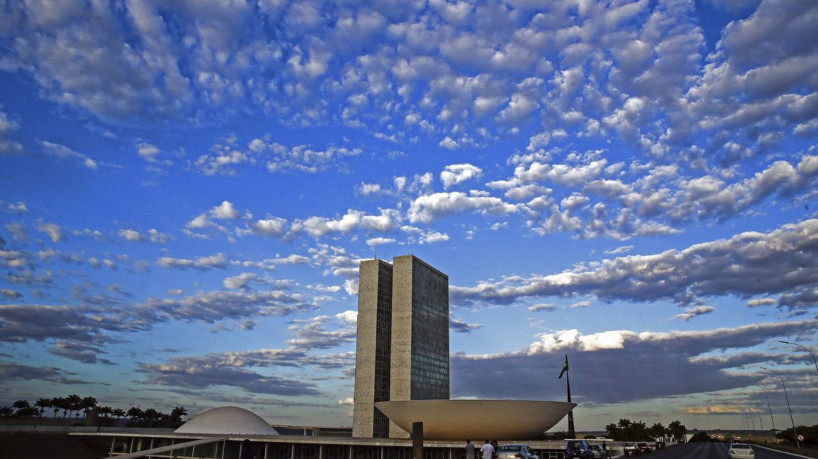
{"points": [[598, 452], [578, 449], [644, 447]]}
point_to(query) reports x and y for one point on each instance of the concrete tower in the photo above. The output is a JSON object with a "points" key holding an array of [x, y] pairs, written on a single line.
{"points": [[402, 349], [372, 349]]}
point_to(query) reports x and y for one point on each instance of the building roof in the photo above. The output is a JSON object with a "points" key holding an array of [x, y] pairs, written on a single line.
{"points": [[477, 419], [227, 420]]}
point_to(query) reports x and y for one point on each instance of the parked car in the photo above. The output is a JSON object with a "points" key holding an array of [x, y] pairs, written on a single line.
{"points": [[644, 447], [598, 452], [515, 451], [578, 449], [630, 449], [740, 450]]}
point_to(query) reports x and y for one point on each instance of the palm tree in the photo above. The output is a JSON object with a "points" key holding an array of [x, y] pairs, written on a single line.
{"points": [[677, 429], [625, 425], [59, 403], [151, 415], [42, 404], [74, 402], [87, 404], [118, 412], [657, 430], [176, 415], [135, 413], [23, 408], [105, 410], [613, 431]]}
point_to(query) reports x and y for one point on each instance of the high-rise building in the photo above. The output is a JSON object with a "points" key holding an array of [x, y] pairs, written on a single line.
{"points": [[402, 349]]}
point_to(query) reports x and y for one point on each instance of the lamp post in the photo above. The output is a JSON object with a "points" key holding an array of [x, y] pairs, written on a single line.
{"points": [[769, 408], [794, 432], [804, 348]]}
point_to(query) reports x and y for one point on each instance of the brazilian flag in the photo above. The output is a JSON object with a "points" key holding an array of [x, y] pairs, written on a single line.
{"points": [[564, 367]]}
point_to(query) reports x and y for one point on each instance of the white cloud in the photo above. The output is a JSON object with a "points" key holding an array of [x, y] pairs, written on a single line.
{"points": [[348, 317], [694, 312], [18, 207], [239, 282], [376, 241], [64, 152], [431, 237], [8, 125], [202, 263], [130, 235], [428, 208], [761, 302], [273, 226], [148, 152], [573, 339], [716, 267], [200, 222], [52, 230], [352, 220], [225, 211], [448, 143], [458, 173], [367, 189]]}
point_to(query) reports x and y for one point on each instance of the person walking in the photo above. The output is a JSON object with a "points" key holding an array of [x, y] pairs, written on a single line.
{"points": [[469, 449], [487, 451]]}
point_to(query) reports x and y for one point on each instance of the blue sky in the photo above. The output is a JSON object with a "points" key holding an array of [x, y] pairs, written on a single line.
{"points": [[188, 189]]}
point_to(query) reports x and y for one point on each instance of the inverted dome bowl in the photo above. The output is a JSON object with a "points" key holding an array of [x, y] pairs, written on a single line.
{"points": [[477, 419]]}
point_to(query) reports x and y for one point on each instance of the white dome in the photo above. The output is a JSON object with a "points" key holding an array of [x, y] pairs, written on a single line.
{"points": [[227, 420]]}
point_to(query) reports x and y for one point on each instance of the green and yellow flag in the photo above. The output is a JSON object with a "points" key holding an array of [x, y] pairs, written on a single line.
{"points": [[564, 367]]}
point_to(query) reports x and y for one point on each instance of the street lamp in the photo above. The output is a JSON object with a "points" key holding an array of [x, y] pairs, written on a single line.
{"points": [[806, 349], [794, 432], [769, 408]]}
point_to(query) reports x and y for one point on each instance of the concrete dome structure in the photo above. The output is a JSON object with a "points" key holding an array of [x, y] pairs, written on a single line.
{"points": [[227, 420], [477, 419]]}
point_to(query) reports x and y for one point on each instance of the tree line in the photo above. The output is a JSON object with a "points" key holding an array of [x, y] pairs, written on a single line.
{"points": [[626, 429], [72, 405]]}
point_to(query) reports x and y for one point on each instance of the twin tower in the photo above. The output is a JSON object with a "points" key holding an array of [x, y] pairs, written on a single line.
{"points": [[402, 349]]}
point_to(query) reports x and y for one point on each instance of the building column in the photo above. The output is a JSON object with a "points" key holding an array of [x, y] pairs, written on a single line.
{"points": [[417, 440]]}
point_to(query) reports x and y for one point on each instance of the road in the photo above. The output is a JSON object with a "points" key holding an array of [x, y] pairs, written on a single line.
{"points": [[708, 451]]}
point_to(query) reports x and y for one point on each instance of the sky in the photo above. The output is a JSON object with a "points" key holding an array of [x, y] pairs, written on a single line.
{"points": [[189, 187]]}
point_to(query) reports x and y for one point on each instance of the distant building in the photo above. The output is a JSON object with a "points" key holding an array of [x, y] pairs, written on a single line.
{"points": [[402, 350]]}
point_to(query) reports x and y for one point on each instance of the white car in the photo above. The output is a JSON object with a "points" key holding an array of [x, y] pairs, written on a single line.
{"points": [[515, 451], [740, 450]]}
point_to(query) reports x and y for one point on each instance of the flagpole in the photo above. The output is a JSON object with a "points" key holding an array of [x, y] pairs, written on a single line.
{"points": [[571, 432]]}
